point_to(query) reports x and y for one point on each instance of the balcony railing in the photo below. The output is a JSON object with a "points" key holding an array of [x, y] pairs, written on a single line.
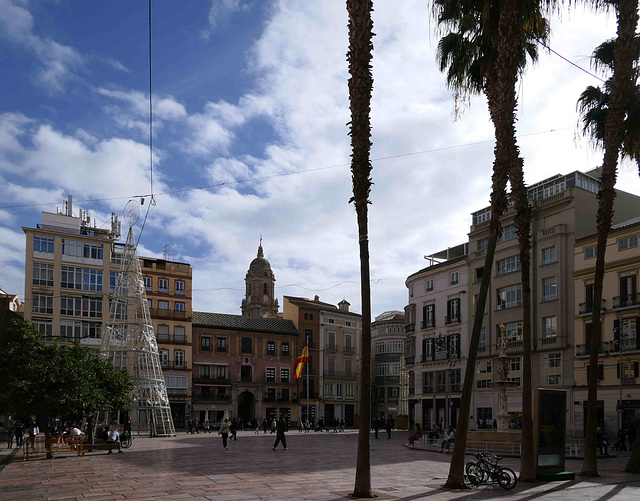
{"points": [[427, 389], [381, 357], [332, 347], [211, 379], [269, 398], [246, 378], [340, 374], [175, 338], [410, 328], [387, 379], [392, 399], [626, 301], [409, 360], [348, 349], [219, 397], [427, 324], [271, 353], [173, 365], [453, 319], [441, 388], [587, 307]]}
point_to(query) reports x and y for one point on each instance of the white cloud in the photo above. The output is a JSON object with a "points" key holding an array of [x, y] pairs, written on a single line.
{"points": [[219, 14]]}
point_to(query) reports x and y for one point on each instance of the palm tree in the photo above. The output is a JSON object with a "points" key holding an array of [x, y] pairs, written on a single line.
{"points": [[486, 51], [360, 87], [622, 83]]}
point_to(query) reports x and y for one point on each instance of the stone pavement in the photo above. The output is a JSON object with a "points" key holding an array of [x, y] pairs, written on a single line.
{"points": [[317, 467]]}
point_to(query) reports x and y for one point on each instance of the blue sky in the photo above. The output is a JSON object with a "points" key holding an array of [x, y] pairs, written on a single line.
{"points": [[253, 94]]}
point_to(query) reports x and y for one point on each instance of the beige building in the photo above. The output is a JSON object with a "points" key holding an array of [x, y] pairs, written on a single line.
{"points": [[70, 268], [564, 209], [334, 335], [168, 289], [389, 377], [619, 355]]}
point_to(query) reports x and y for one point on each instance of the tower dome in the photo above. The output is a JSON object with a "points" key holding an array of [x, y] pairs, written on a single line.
{"points": [[260, 280]]}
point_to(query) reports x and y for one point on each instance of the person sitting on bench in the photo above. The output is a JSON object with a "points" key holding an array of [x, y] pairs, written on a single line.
{"points": [[114, 438]]}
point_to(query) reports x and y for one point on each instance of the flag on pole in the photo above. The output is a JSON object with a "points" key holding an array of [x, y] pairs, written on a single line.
{"points": [[300, 361]]}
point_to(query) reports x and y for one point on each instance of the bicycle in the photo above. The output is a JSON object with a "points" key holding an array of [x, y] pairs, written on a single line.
{"points": [[126, 440], [483, 471]]}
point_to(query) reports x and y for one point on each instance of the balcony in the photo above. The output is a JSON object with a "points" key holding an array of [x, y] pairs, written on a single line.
{"points": [[169, 314], [176, 338], [332, 347], [453, 319], [212, 397], [387, 379], [173, 392], [587, 307], [173, 365], [247, 378], [388, 357], [427, 324], [271, 353], [441, 388], [626, 301], [349, 349], [392, 399], [410, 360], [271, 379], [269, 398], [427, 389], [583, 350], [340, 374], [213, 380], [410, 328]]}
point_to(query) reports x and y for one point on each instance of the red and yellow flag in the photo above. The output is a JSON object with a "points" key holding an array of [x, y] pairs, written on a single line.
{"points": [[300, 361]]}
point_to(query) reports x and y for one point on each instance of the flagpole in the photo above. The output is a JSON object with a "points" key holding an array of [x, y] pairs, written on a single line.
{"points": [[308, 362]]}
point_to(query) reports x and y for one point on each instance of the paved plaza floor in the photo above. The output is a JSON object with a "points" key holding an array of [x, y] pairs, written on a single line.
{"points": [[316, 466]]}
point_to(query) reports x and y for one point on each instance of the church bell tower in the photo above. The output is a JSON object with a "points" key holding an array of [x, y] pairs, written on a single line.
{"points": [[261, 283]]}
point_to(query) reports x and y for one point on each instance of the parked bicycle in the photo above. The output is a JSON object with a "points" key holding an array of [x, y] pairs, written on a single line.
{"points": [[486, 470], [126, 440]]}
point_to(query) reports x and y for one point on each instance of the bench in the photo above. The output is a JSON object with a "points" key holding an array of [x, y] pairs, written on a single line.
{"points": [[102, 445]]}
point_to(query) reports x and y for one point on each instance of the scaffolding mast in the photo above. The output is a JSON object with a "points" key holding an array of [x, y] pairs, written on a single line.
{"points": [[131, 345]]}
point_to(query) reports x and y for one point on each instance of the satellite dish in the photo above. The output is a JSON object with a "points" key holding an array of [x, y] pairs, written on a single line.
{"points": [[131, 213]]}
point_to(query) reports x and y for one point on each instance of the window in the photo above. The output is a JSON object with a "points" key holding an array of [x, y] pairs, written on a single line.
{"points": [[221, 344], [550, 326], [482, 244], [427, 382], [590, 252], [44, 325], [348, 343], [43, 244], [163, 286], [163, 333], [178, 358], [271, 348], [205, 371], [429, 316], [627, 243], [508, 233], [205, 343], [77, 248], [176, 384], [43, 274], [179, 306], [483, 367], [549, 255], [552, 379], [284, 375], [247, 345], [245, 373], [271, 374], [179, 288], [147, 283], [332, 321], [70, 330], [515, 364], [410, 292], [179, 335], [429, 284], [348, 323], [71, 277], [164, 357], [549, 289], [453, 311], [113, 279], [348, 390], [163, 305], [221, 372], [484, 414], [483, 338], [81, 306], [284, 349], [512, 331], [509, 297], [92, 280], [551, 360], [478, 274], [507, 265], [453, 278], [630, 370]]}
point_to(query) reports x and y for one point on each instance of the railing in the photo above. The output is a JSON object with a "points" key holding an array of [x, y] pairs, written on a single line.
{"points": [[271, 353], [625, 301], [220, 397], [546, 341], [173, 365], [332, 347], [340, 374], [451, 319], [427, 389], [427, 324], [587, 307], [410, 328], [388, 356], [387, 379], [456, 387], [221, 349], [441, 388], [583, 350], [246, 378], [392, 399], [409, 360], [203, 379], [269, 398], [176, 391], [348, 349]]}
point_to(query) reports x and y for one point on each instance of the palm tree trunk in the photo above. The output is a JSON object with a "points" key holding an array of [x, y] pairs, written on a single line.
{"points": [[360, 87], [627, 15]]}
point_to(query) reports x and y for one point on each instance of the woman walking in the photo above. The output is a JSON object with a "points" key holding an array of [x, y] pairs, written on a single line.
{"points": [[224, 431]]}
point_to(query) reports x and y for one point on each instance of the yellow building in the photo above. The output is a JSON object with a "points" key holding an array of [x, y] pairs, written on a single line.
{"points": [[168, 288], [619, 379]]}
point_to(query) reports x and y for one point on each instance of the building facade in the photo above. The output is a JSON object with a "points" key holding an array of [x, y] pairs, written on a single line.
{"points": [[390, 392], [334, 335], [243, 367], [168, 289], [437, 325], [70, 268], [619, 355]]}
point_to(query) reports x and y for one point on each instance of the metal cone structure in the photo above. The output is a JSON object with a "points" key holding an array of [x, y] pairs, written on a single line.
{"points": [[131, 345]]}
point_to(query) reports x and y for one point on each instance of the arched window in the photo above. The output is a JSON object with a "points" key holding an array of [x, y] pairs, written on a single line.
{"points": [[264, 289]]}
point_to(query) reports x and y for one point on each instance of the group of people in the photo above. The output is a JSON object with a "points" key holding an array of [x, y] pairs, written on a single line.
{"points": [[16, 430], [378, 422], [230, 427], [624, 434], [448, 436]]}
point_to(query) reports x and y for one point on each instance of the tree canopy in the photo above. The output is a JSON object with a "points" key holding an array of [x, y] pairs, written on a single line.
{"points": [[52, 379]]}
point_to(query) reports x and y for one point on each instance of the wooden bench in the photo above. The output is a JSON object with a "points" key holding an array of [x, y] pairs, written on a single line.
{"points": [[102, 445]]}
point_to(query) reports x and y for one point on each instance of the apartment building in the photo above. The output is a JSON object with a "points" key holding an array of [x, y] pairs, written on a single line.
{"points": [[619, 354], [168, 288], [564, 210], [437, 326], [390, 380], [243, 367], [333, 334], [70, 268]]}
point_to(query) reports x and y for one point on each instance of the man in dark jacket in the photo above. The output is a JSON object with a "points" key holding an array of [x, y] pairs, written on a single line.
{"points": [[280, 428]]}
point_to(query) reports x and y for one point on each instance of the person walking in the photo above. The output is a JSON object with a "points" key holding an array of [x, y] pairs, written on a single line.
{"points": [[233, 429], [299, 425], [224, 431], [273, 426], [389, 426], [33, 433], [376, 426], [11, 431], [280, 428], [264, 425], [306, 426], [19, 429]]}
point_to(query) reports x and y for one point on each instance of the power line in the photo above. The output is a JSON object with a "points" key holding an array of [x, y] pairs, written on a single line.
{"points": [[283, 174]]}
